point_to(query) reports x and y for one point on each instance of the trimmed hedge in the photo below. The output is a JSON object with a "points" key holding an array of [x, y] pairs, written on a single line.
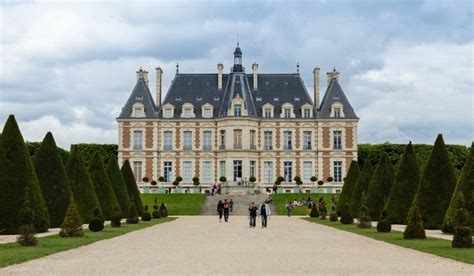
{"points": [[462, 237], [132, 187], [384, 225], [349, 184], [379, 187], [72, 224], [362, 183], [415, 228], [89, 150], [118, 185], [132, 217], [346, 216]]}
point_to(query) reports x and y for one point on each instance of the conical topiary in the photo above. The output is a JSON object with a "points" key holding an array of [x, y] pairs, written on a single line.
{"points": [[349, 184], [53, 180], [81, 185], [346, 216], [72, 225], [365, 221], [132, 217], [414, 229], [116, 219], [26, 218], [163, 210], [16, 173], [405, 184], [314, 211], [146, 215], [102, 186], [379, 187], [97, 223], [156, 210], [384, 225], [132, 187], [465, 187], [436, 186], [361, 186], [118, 185]]}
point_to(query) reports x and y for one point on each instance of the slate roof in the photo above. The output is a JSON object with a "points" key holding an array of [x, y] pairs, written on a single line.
{"points": [[334, 93], [140, 94]]}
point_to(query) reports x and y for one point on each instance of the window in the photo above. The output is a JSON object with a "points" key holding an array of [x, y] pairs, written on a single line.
{"points": [[267, 113], [207, 113], [307, 140], [167, 171], [237, 110], [268, 172], [252, 168], [336, 97], [188, 140], [337, 171], [207, 140], [187, 171], [137, 140], [137, 171], [337, 139], [237, 138], [187, 113], [207, 172], [287, 140], [267, 139], [222, 139], [287, 171], [252, 139], [168, 140], [216, 99], [167, 113], [307, 171], [258, 99], [287, 113], [337, 113], [139, 98], [138, 112], [306, 113], [238, 170], [222, 168]]}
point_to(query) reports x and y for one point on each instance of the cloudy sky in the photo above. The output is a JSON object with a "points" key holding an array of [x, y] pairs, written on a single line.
{"points": [[406, 66]]}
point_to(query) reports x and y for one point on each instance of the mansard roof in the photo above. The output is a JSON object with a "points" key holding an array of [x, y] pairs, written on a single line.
{"points": [[334, 93], [140, 94]]}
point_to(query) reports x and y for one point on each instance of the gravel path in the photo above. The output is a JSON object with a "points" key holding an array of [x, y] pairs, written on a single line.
{"points": [[202, 245]]}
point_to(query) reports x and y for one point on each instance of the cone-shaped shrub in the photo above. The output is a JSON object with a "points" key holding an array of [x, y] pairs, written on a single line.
{"points": [[16, 173], [102, 186], [380, 186], [97, 223], [156, 210], [365, 221], [116, 219], [26, 218], [81, 185], [72, 225], [132, 217], [404, 187], [462, 237], [53, 180], [118, 185], [349, 184], [314, 212], [465, 186], [414, 229], [146, 215], [132, 187], [436, 186], [458, 214], [384, 225], [346, 216], [362, 183], [333, 217], [163, 210]]}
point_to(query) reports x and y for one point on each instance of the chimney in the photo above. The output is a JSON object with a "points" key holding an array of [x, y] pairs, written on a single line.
{"points": [[316, 87], [142, 74], [159, 73], [220, 68], [255, 77], [332, 75]]}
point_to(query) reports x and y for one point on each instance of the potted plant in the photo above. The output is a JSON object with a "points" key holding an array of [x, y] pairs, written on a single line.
{"points": [[196, 181], [252, 179], [320, 182]]}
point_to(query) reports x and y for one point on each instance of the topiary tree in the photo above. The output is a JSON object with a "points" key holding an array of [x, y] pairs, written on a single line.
{"points": [[161, 179], [132, 187], [153, 183], [464, 188], [179, 178], [146, 215], [222, 179], [163, 210], [72, 224], [462, 237], [349, 184], [118, 185], [436, 186], [116, 220], [196, 181], [156, 211], [313, 179], [365, 221], [297, 180], [81, 185], [132, 217], [252, 179], [414, 229], [53, 180], [330, 179], [16, 173], [26, 219], [380, 186], [320, 182], [145, 179], [97, 223], [405, 184], [384, 225], [333, 216], [279, 180], [361, 186], [314, 212], [346, 216]]}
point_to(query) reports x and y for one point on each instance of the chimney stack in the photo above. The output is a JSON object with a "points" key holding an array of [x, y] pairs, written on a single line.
{"points": [[159, 73], [332, 75], [255, 77], [220, 68], [142, 74], [316, 87]]}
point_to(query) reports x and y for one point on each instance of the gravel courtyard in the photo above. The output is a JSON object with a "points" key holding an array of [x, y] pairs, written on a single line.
{"points": [[202, 245]]}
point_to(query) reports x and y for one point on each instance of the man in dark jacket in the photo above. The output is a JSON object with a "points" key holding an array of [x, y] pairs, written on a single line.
{"points": [[265, 212], [226, 210], [252, 214]]}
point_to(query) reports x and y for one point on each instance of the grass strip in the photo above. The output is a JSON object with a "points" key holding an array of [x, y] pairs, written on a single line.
{"points": [[280, 200], [176, 204]]}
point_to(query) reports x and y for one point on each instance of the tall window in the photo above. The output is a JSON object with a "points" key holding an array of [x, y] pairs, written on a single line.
{"points": [[267, 113], [268, 172], [207, 172], [306, 140], [287, 113], [168, 140], [237, 110], [337, 139], [138, 112], [337, 171], [137, 171], [222, 168], [188, 113], [222, 139], [207, 113], [267, 139], [337, 113], [306, 113], [252, 139], [238, 170], [187, 171], [307, 171], [167, 171], [287, 140], [252, 168], [167, 113], [207, 140], [287, 171], [137, 140], [237, 138], [188, 140]]}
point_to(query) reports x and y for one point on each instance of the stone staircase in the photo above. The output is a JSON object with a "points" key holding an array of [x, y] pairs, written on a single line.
{"points": [[241, 203]]}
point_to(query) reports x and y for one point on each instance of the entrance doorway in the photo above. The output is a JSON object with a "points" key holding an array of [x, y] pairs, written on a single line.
{"points": [[237, 171]]}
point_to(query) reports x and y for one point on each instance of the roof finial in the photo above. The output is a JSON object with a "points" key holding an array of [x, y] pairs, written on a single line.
{"points": [[334, 69], [237, 39], [177, 67], [298, 67]]}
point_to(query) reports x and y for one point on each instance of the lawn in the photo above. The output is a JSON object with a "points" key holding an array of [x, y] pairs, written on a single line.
{"points": [[434, 246], [12, 253], [177, 204], [279, 201]]}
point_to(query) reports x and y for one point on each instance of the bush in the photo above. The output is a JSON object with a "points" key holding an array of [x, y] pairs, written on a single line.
{"points": [[414, 229], [349, 183], [322, 215], [314, 211], [222, 179], [384, 225], [379, 187], [365, 221], [161, 179], [156, 212], [26, 220], [97, 223], [72, 225], [297, 180], [196, 181], [361, 186], [153, 182], [132, 217], [313, 179], [462, 237], [145, 179], [118, 185], [346, 216], [132, 187], [330, 179], [252, 179], [179, 178], [333, 217], [163, 210], [146, 215], [116, 219], [320, 182]]}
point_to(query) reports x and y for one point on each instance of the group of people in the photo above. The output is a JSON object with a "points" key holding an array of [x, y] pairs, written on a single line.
{"points": [[321, 205], [263, 211], [216, 188], [224, 208]]}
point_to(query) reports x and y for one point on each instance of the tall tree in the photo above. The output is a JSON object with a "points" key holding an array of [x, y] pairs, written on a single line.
{"points": [[16, 173], [362, 183], [53, 180], [380, 186], [407, 179], [436, 186], [103, 189], [132, 187], [349, 185], [81, 185], [465, 186], [118, 185]]}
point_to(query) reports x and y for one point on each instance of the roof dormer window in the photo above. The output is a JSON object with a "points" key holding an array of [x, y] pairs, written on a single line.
{"points": [[138, 98], [336, 97], [306, 113], [216, 99], [276, 99], [178, 99], [199, 98], [167, 113], [267, 113], [138, 110], [258, 99], [237, 110], [207, 110], [287, 113], [337, 110], [187, 112]]}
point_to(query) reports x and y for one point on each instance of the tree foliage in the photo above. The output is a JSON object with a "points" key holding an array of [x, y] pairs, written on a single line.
{"points": [[349, 184], [346, 215], [132, 187], [26, 219], [380, 186], [33, 148], [361, 186], [72, 224], [118, 185], [104, 150], [415, 228]]}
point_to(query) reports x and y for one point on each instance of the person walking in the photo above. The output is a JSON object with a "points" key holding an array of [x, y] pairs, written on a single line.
{"points": [[226, 210], [231, 205], [252, 214], [220, 209], [310, 206], [275, 188], [289, 208], [265, 212]]}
